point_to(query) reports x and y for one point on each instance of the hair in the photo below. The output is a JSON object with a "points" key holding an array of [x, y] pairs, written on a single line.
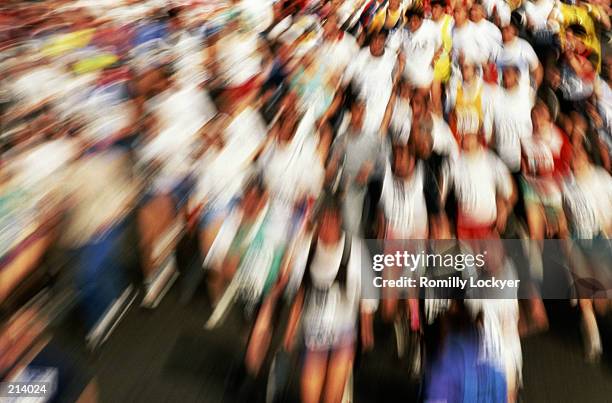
{"points": [[577, 29], [329, 203], [255, 182], [414, 12], [398, 147], [370, 38], [517, 20], [173, 12]]}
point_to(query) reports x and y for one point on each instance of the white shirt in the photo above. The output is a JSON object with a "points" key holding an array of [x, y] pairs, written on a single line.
{"points": [[102, 191], [419, 48], [190, 60], [373, 77], [337, 54], [444, 142], [500, 340], [510, 111], [501, 7], [39, 83], [284, 167], [239, 57], [259, 13], [223, 172], [589, 197], [538, 12], [401, 120], [220, 178], [477, 42], [38, 165], [518, 52], [465, 44], [338, 313], [477, 179], [180, 113], [404, 204]]}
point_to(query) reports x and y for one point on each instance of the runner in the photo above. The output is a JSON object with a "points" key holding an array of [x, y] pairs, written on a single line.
{"points": [[474, 41], [508, 117], [545, 165], [483, 187], [330, 308], [356, 159], [465, 104], [445, 23], [422, 46], [518, 52], [404, 205], [586, 192], [373, 73]]}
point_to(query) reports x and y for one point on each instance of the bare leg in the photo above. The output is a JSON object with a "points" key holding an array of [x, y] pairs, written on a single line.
{"points": [[260, 338], [313, 376], [153, 219], [413, 308], [592, 339], [90, 393], [340, 364], [390, 302], [537, 226], [208, 235]]}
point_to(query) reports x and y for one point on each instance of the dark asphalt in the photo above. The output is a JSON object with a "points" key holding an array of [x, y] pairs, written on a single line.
{"points": [[165, 355]]}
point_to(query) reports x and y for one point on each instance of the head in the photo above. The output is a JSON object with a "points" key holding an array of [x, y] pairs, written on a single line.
{"points": [[155, 81], [580, 126], [468, 70], [437, 9], [334, 5], [414, 19], [460, 14], [540, 117], [287, 124], [330, 220], [509, 32], [403, 160], [254, 196], [175, 18], [511, 76], [330, 28], [575, 35], [377, 43], [607, 68], [477, 12], [394, 5]]}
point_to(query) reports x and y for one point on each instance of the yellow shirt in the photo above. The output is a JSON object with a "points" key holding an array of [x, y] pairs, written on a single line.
{"points": [[442, 67], [468, 109]]}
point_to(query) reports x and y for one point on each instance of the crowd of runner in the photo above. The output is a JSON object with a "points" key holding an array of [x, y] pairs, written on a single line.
{"points": [[282, 135]]}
